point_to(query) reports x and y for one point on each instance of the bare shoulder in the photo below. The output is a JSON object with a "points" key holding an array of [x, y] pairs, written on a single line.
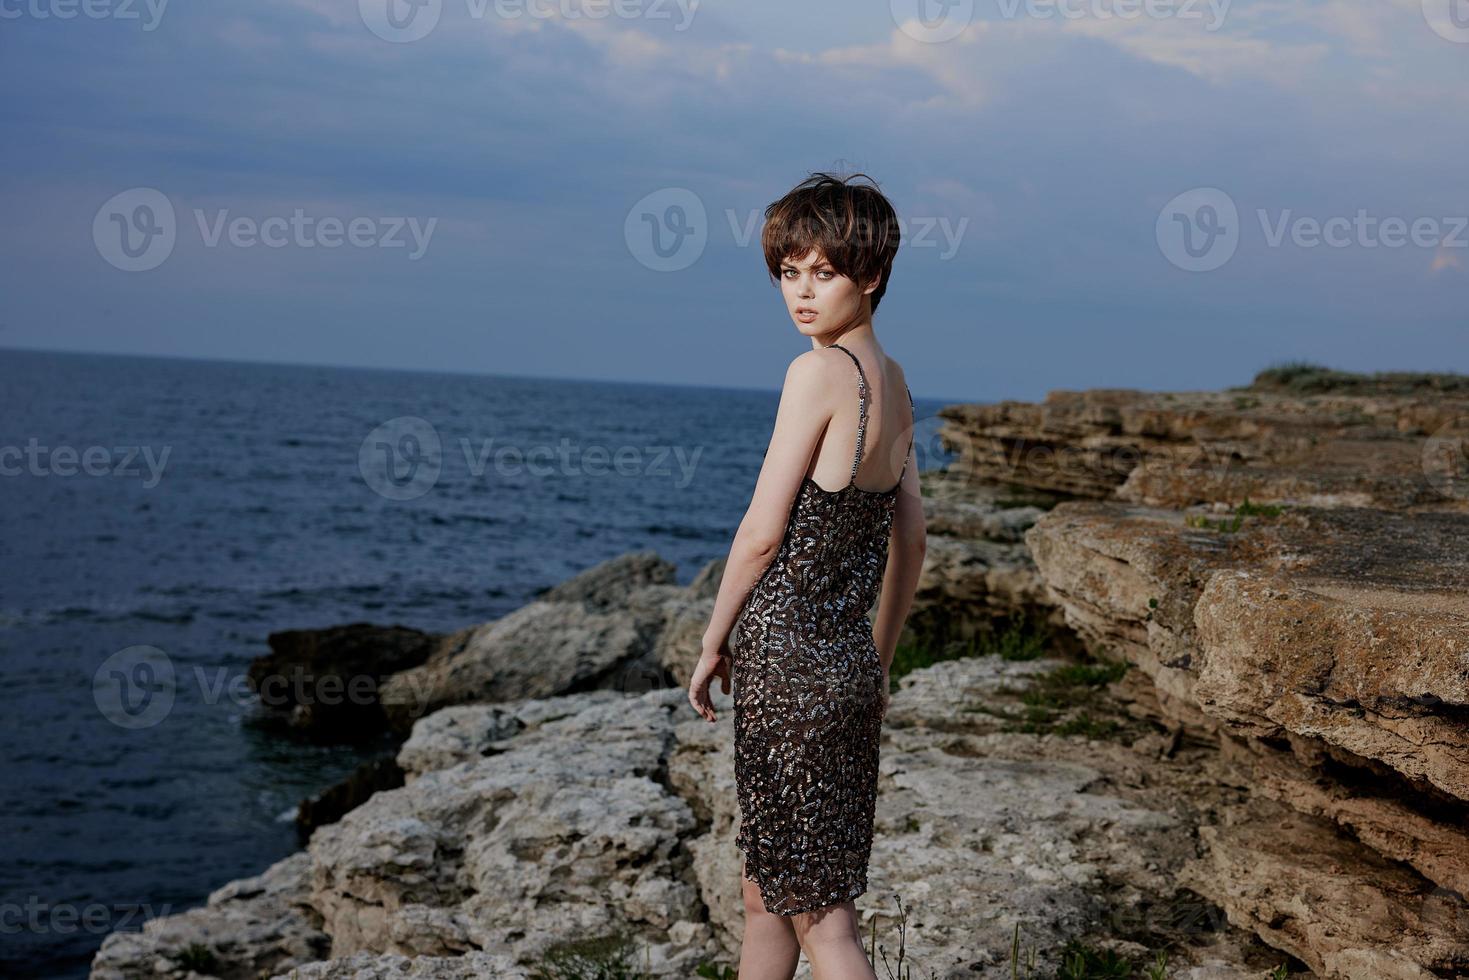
{"points": [[816, 369], [895, 369]]}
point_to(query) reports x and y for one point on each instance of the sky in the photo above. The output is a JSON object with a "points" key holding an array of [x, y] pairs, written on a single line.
{"points": [[1155, 194]]}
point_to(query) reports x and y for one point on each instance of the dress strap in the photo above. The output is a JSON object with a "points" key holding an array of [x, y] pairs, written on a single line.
{"points": [[914, 412], [861, 409]]}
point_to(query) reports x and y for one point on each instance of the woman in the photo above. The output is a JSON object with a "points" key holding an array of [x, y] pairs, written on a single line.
{"points": [[836, 513]]}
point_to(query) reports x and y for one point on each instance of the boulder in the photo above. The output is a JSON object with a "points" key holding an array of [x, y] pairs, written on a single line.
{"points": [[598, 629], [249, 928], [324, 682]]}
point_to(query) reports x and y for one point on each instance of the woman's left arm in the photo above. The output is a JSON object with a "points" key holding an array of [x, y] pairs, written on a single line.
{"points": [[799, 422]]}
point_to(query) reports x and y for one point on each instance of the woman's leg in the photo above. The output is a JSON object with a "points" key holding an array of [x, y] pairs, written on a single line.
{"points": [[833, 943], [769, 950]]}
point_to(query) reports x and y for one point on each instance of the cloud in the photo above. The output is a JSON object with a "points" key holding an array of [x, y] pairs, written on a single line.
{"points": [[1056, 139], [1218, 58], [337, 13], [246, 35], [1299, 48]]}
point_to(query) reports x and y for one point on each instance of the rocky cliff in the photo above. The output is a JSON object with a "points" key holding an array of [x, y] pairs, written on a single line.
{"points": [[1288, 571], [1140, 720]]}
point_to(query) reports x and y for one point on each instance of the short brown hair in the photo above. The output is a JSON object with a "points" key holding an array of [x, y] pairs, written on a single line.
{"points": [[853, 225]]}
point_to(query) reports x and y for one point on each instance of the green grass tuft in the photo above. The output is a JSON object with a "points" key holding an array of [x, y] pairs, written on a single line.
{"points": [[1233, 523], [1064, 701], [1080, 962], [198, 958], [1088, 727], [1020, 638], [1304, 377], [1261, 510], [600, 958]]}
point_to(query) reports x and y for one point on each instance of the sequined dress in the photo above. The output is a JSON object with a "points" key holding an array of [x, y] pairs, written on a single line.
{"points": [[806, 682]]}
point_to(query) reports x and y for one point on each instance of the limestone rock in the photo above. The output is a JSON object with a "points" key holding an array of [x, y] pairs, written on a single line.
{"points": [[465, 732], [607, 585], [250, 927], [1430, 834], [598, 629], [1358, 447], [567, 832], [1351, 626], [1127, 578], [977, 830], [1342, 633], [372, 776], [527, 823], [1376, 667], [1340, 907], [371, 966], [967, 585]]}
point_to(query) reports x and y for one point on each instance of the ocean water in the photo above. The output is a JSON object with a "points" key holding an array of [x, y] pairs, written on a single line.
{"points": [[162, 516]]}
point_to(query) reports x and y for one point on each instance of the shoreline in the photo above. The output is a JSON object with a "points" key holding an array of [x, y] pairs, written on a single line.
{"points": [[1084, 655]]}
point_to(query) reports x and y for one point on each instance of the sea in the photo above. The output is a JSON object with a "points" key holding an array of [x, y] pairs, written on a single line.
{"points": [[159, 517]]}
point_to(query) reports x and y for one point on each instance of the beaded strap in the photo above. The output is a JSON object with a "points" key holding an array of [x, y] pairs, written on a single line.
{"points": [[862, 417], [914, 412], [861, 409]]}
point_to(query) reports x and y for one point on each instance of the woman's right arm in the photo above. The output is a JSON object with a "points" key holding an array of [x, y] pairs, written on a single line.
{"points": [[907, 545]]}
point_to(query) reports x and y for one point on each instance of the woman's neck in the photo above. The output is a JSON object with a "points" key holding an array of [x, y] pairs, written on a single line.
{"points": [[858, 331]]}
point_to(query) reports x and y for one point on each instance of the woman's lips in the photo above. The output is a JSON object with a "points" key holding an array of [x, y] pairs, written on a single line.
{"points": [[806, 315]]}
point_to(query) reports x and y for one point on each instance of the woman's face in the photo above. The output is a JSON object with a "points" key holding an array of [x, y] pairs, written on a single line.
{"points": [[820, 301]]}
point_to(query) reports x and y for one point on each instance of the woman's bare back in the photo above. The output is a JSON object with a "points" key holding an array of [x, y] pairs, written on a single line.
{"points": [[886, 435]]}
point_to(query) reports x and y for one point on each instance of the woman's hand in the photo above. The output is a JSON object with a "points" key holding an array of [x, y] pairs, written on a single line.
{"points": [[713, 662]]}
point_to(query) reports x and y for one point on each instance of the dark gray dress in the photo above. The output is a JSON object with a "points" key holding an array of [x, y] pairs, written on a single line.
{"points": [[806, 683]]}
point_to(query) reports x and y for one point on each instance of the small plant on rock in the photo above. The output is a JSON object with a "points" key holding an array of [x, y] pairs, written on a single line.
{"points": [[1236, 520], [1022, 967], [904, 971], [600, 958], [1079, 962], [198, 958]]}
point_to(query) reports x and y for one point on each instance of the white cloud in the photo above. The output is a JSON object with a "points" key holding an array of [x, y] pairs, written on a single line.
{"points": [[1214, 57], [1326, 53]]}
